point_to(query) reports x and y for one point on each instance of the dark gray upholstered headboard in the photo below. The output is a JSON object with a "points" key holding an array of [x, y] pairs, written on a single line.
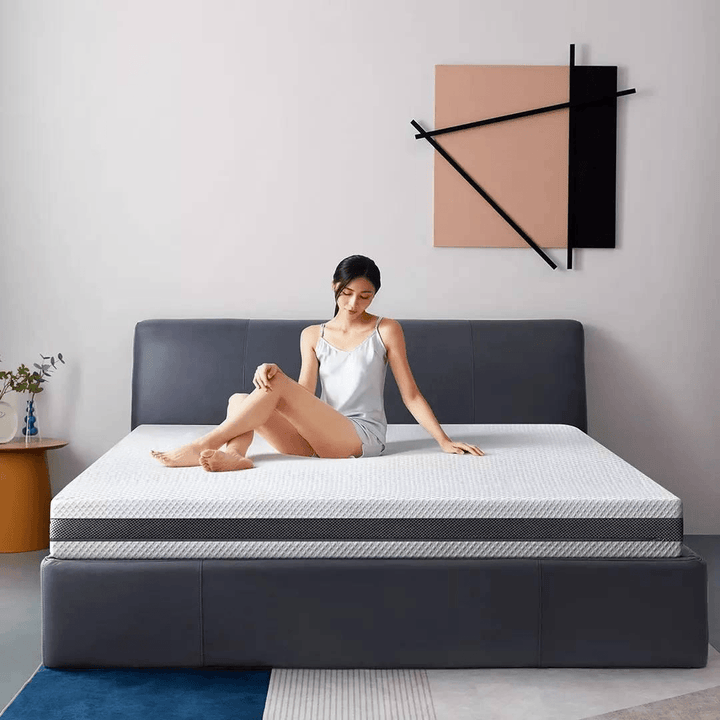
{"points": [[469, 371]]}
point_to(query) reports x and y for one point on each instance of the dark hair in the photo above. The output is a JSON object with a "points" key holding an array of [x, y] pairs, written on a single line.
{"points": [[351, 268]]}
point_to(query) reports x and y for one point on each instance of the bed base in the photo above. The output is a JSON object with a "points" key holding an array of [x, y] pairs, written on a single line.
{"points": [[383, 613]]}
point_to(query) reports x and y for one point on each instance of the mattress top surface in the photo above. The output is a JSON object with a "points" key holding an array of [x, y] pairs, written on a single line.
{"points": [[527, 470]]}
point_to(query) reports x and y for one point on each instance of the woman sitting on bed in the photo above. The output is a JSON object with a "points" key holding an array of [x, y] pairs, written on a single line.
{"points": [[351, 353]]}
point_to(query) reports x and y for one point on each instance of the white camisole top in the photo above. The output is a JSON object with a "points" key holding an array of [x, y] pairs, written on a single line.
{"points": [[353, 382]]}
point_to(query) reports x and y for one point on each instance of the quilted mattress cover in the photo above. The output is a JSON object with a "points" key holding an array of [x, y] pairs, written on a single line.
{"points": [[539, 491]]}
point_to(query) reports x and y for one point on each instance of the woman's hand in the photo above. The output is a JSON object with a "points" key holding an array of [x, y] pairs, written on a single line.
{"points": [[263, 374], [459, 448]]}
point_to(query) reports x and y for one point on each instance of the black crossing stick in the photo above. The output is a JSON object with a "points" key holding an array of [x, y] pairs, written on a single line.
{"points": [[572, 156], [525, 113], [492, 203]]}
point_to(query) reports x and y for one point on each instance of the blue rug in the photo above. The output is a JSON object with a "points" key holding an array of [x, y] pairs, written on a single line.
{"points": [[122, 694]]}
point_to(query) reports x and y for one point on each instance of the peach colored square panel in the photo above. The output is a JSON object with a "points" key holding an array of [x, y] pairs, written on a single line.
{"points": [[522, 164]]}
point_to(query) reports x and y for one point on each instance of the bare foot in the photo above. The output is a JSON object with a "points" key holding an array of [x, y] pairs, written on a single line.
{"points": [[185, 456], [224, 461]]}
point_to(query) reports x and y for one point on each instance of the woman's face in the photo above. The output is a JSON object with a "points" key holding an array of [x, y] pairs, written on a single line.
{"points": [[356, 297]]}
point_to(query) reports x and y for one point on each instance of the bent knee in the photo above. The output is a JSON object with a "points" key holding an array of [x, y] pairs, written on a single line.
{"points": [[237, 397]]}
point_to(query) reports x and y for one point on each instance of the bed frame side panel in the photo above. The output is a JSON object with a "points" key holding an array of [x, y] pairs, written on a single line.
{"points": [[542, 612]]}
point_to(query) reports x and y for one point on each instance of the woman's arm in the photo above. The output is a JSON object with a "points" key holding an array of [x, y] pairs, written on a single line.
{"points": [[309, 370], [394, 340]]}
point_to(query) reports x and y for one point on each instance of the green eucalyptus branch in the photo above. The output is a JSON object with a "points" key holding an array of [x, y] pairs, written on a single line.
{"points": [[26, 380], [44, 375]]}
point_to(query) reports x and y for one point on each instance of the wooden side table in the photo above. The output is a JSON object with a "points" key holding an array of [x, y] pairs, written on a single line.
{"points": [[25, 494]]}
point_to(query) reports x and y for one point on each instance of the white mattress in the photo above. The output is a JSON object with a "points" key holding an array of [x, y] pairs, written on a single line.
{"points": [[539, 491]]}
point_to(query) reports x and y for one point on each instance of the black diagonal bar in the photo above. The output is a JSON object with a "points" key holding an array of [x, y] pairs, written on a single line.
{"points": [[571, 161], [492, 203], [526, 113]]}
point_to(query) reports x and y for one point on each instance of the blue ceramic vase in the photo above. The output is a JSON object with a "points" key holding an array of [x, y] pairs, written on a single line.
{"points": [[30, 428]]}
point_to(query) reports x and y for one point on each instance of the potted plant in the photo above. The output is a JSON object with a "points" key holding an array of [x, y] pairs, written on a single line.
{"points": [[24, 380]]}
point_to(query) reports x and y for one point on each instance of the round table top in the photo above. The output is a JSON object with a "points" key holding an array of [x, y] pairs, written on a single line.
{"points": [[32, 443]]}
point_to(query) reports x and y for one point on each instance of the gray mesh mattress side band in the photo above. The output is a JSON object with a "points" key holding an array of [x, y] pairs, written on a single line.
{"points": [[668, 529]]}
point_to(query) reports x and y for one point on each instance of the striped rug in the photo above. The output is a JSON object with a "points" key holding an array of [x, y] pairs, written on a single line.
{"points": [[496, 694], [296, 694]]}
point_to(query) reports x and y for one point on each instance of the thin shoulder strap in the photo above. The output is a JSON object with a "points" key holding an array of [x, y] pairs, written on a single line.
{"points": [[322, 330], [377, 324]]}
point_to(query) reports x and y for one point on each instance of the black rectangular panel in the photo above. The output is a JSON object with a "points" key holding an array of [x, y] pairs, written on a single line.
{"points": [[593, 143]]}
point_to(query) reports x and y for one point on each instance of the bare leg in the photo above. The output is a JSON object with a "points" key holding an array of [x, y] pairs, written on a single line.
{"points": [[254, 411], [278, 431], [240, 444], [319, 426], [230, 456]]}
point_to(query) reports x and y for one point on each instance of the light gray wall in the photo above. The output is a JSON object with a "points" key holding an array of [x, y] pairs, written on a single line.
{"points": [[218, 159]]}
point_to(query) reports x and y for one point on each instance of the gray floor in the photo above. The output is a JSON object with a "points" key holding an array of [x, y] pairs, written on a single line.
{"points": [[20, 653], [19, 620]]}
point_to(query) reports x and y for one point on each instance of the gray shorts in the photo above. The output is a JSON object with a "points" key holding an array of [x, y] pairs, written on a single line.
{"points": [[372, 446]]}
